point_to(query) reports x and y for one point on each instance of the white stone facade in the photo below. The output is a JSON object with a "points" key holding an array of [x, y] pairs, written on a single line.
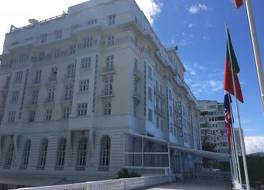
{"points": [[212, 124], [73, 87]]}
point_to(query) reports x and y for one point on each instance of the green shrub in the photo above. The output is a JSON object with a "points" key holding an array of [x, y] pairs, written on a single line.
{"points": [[124, 173]]}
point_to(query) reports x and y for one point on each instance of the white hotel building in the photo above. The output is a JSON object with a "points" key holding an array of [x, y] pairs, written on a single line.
{"points": [[89, 92]]}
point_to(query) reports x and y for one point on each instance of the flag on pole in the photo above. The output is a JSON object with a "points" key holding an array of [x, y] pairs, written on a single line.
{"points": [[228, 119], [231, 60], [238, 3]]}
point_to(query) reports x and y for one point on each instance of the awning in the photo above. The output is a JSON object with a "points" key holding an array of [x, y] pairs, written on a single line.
{"points": [[202, 153]]}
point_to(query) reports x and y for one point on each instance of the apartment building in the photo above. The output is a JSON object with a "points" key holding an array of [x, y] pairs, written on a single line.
{"points": [[92, 91], [212, 124]]}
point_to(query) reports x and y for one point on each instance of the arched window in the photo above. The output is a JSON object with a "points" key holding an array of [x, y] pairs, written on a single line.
{"points": [[105, 153], [81, 154], [61, 154], [42, 154], [25, 154], [9, 156]]}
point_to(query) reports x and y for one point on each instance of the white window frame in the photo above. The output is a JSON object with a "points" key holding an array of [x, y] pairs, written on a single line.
{"points": [[84, 86], [61, 151], [25, 155], [43, 150], [82, 109], [105, 151], [82, 153]]}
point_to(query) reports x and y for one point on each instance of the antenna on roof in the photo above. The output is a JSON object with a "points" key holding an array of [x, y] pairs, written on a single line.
{"points": [[33, 21]]}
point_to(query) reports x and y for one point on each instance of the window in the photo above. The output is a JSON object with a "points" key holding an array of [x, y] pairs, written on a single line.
{"points": [[9, 156], [110, 40], [84, 86], [43, 38], [11, 116], [70, 71], [53, 74], [15, 96], [108, 87], [111, 19], [92, 21], [48, 114], [109, 63], [31, 116], [150, 115], [150, 73], [72, 49], [37, 76], [170, 95], [82, 109], [81, 154], [42, 154], [86, 63], [107, 108], [18, 76], [150, 94], [88, 42], [25, 155], [57, 52], [51, 92], [61, 150], [105, 153], [68, 91], [66, 112], [58, 34], [35, 94]]}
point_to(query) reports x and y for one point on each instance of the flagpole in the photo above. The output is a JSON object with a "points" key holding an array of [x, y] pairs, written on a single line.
{"points": [[236, 156], [242, 143], [255, 45], [237, 164], [234, 168]]}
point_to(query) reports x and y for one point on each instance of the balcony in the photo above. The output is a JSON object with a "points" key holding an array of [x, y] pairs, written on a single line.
{"points": [[136, 74], [108, 71], [66, 99], [49, 101], [136, 96], [106, 94], [52, 80], [69, 77]]}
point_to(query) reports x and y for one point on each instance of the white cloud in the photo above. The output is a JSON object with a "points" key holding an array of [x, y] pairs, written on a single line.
{"points": [[151, 8], [190, 70], [190, 25], [254, 144], [215, 85], [195, 9]]}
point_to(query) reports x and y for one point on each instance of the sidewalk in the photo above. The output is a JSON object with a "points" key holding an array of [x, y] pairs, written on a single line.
{"points": [[194, 185]]}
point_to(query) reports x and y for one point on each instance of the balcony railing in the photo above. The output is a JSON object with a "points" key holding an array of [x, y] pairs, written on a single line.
{"points": [[107, 71], [106, 94]]}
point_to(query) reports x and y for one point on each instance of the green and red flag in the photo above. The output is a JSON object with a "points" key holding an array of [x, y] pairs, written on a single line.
{"points": [[231, 60], [238, 3]]}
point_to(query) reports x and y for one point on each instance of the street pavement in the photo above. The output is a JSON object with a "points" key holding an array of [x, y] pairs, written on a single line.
{"points": [[194, 185]]}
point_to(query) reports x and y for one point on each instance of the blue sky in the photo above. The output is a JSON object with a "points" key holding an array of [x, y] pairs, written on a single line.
{"points": [[198, 29]]}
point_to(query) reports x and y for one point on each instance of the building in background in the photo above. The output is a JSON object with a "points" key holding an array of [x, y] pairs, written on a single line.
{"points": [[92, 91], [212, 124], [237, 141]]}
